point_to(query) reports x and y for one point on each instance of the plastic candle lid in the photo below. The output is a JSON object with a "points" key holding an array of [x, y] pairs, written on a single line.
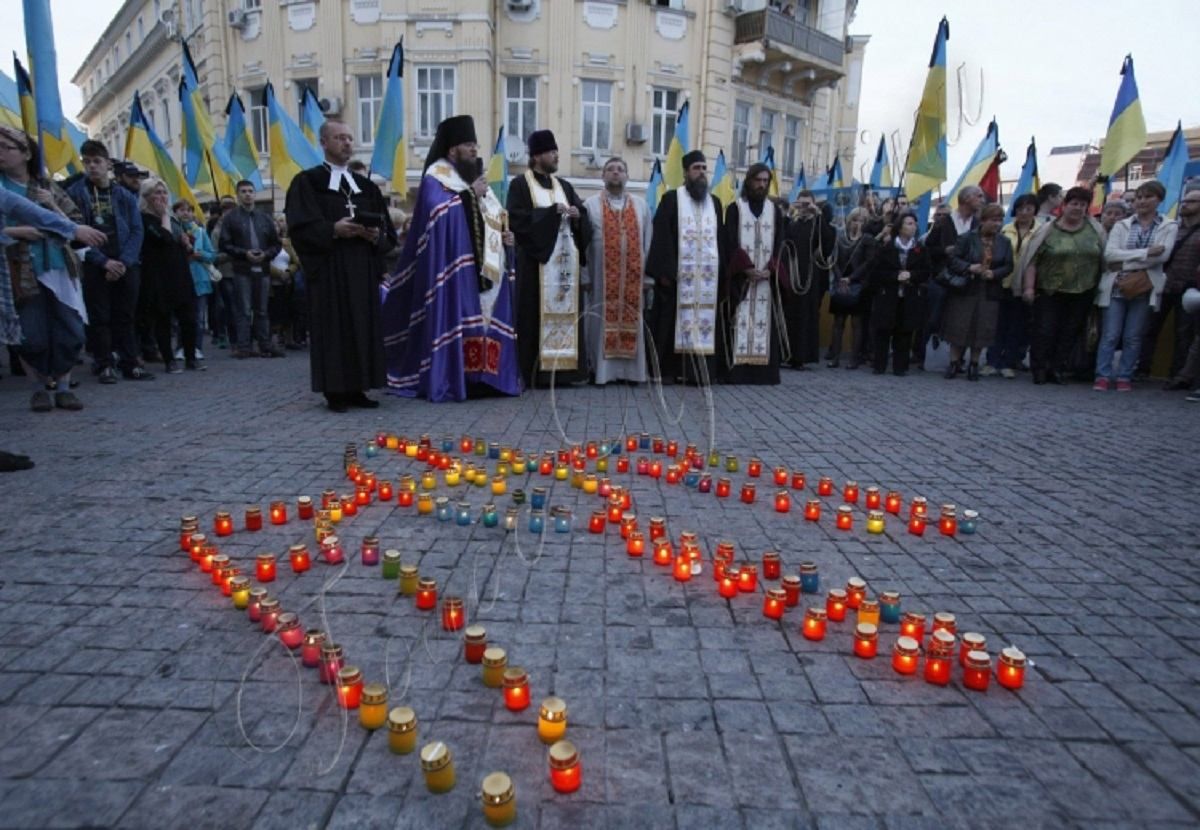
{"points": [[435, 756], [402, 719], [554, 709], [563, 755], [497, 789]]}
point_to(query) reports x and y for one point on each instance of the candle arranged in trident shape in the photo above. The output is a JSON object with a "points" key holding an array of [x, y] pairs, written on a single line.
{"points": [[516, 689], [437, 764], [774, 603], [474, 643], [499, 799], [278, 513], [402, 730], [905, 655], [1011, 672], [565, 771], [552, 720], [813, 627]]}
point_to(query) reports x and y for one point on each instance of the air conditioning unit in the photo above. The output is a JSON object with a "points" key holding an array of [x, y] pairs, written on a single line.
{"points": [[519, 5], [635, 133], [331, 106], [236, 18]]}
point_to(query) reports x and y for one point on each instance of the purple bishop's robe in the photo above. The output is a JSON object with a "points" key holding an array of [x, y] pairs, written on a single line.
{"points": [[447, 315]]}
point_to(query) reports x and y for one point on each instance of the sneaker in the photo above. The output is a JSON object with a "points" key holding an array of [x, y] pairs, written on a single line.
{"points": [[68, 401], [1124, 386], [196, 365], [1007, 374], [1193, 396], [199, 355], [40, 402], [987, 371], [179, 353], [173, 368], [137, 373], [108, 375], [1101, 385]]}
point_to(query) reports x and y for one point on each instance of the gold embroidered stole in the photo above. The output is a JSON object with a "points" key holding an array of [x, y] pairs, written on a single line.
{"points": [[558, 329], [622, 280], [696, 300], [752, 322]]}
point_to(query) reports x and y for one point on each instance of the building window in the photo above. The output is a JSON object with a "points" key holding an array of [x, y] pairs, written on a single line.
{"points": [[435, 97], [129, 43], [258, 118], [597, 115], [370, 101], [520, 105], [300, 84], [141, 29], [667, 4], [251, 5], [664, 109], [151, 117], [116, 54], [766, 132], [791, 145], [741, 133], [164, 107], [1135, 172], [157, 10]]}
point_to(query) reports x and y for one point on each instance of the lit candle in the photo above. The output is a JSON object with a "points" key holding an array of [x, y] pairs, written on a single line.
{"points": [[239, 591], [561, 472], [268, 611], [945, 621], [683, 568], [443, 509], [310, 650], [516, 689], [783, 502], [264, 567], [939, 658], [437, 764], [510, 518], [499, 799], [723, 488], [889, 606], [714, 458], [1011, 672], [552, 720], [254, 607], [499, 485], [392, 442], [195, 545], [912, 624], [336, 510], [825, 486], [304, 507], [278, 513], [659, 445], [402, 730], [916, 525], [537, 521], [868, 612], [771, 565], [207, 553], [626, 500], [290, 632], [748, 490], [227, 577], [856, 592], [494, 663], [781, 476], [948, 523], [426, 593], [562, 519], [850, 492], [327, 497], [774, 603], [835, 604], [362, 495], [754, 468], [462, 514], [977, 671], [810, 578], [404, 494], [490, 516], [636, 544], [799, 481], [705, 484], [664, 552], [425, 504], [812, 510], [747, 578], [970, 522], [727, 588], [672, 448], [845, 517], [623, 464], [596, 522], [223, 523], [875, 521], [970, 641], [465, 445], [791, 589], [453, 615], [565, 772], [370, 551], [349, 687], [919, 507], [873, 500], [674, 474], [731, 464], [866, 641], [331, 550], [892, 502], [591, 484], [219, 563], [655, 468], [813, 627], [474, 643], [349, 505], [372, 709], [188, 525], [628, 521], [658, 528], [905, 655]]}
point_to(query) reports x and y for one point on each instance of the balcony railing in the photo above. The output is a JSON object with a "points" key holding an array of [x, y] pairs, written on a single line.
{"points": [[784, 30]]}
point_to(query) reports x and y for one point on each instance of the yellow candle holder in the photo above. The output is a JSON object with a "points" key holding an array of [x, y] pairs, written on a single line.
{"points": [[402, 730]]}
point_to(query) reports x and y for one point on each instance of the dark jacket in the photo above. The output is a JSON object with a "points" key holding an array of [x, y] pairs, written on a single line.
{"points": [[235, 238], [126, 213], [968, 251], [942, 236], [889, 310]]}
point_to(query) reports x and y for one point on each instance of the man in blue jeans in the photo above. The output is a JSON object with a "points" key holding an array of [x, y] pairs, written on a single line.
{"points": [[249, 237]]}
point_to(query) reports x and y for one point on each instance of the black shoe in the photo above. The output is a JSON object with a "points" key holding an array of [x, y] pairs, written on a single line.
{"points": [[853, 364], [833, 364], [360, 400], [195, 365], [951, 371], [336, 403], [136, 373], [1039, 377], [1056, 378], [11, 462], [901, 373], [972, 371], [1176, 385], [877, 371]]}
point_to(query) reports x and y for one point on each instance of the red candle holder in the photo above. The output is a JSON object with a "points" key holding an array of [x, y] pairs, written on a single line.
{"points": [[636, 544], [579, 464], [683, 568], [227, 580], [264, 567], [850, 492], [278, 513], [781, 476], [659, 446], [812, 510], [349, 687], [728, 586], [405, 496], [385, 490], [799, 481], [674, 474], [912, 624], [327, 496], [349, 505], [207, 554], [423, 454], [892, 502], [658, 528], [845, 517], [783, 502], [565, 771], [223, 523], [672, 449], [331, 662], [835, 604], [631, 443], [268, 614], [474, 643], [362, 495], [919, 507], [353, 472], [748, 490], [725, 550], [905, 655], [310, 651], [945, 621], [453, 615], [426, 593], [628, 523], [596, 523], [916, 525], [856, 592], [626, 499], [873, 499], [546, 465], [643, 466], [774, 603], [516, 689], [656, 468], [754, 468], [977, 671], [747, 578], [791, 589], [948, 522], [372, 481], [188, 525], [604, 488], [614, 513], [866, 641], [217, 567], [466, 445], [592, 450], [1011, 672], [331, 550], [195, 545], [813, 627], [771, 565], [254, 607], [290, 632], [970, 641], [724, 487], [299, 558], [825, 486], [664, 553], [720, 566]]}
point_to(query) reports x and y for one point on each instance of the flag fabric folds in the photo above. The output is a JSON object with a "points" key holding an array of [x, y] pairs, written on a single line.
{"points": [[239, 142], [497, 169], [655, 187], [1028, 181], [1171, 175], [388, 158], [769, 160], [672, 167], [143, 147], [925, 168], [51, 131], [834, 177], [311, 117], [289, 149], [25, 98], [881, 171], [801, 183], [723, 185], [206, 161], [1126, 127], [10, 103], [980, 161]]}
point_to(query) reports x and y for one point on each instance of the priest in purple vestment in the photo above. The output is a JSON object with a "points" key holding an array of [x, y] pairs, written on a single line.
{"points": [[448, 310]]}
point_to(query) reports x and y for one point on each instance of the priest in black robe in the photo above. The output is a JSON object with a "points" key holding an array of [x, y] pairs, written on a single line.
{"points": [[338, 222], [814, 245], [696, 352], [552, 235]]}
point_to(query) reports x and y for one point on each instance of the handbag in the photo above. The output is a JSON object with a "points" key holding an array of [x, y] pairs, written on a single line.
{"points": [[1134, 284], [954, 282]]}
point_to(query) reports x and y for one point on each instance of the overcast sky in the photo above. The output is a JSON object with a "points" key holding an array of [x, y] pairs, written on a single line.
{"points": [[1050, 67]]}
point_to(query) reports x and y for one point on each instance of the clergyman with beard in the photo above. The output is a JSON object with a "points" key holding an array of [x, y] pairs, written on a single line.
{"points": [[552, 232], [449, 308], [754, 226], [687, 251]]}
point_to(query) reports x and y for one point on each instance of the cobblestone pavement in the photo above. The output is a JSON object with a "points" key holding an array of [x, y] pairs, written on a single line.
{"points": [[135, 696]]}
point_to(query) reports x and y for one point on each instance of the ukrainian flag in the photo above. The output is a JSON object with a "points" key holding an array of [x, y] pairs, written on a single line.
{"points": [[881, 172], [57, 150], [656, 187], [389, 158], [1126, 127], [801, 183], [835, 178], [1027, 182], [289, 149], [205, 160], [311, 117], [25, 100], [672, 171], [980, 161], [239, 142], [1171, 172], [769, 160], [723, 185], [497, 170], [10, 103], [143, 147], [925, 168]]}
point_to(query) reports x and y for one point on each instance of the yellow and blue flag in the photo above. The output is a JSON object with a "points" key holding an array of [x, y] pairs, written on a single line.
{"points": [[1171, 174], [672, 168], [51, 131], [239, 142], [800, 184], [656, 187], [143, 147], [723, 185], [925, 167], [834, 177], [881, 171], [25, 99], [389, 159], [10, 103], [1027, 182], [497, 169], [311, 116], [289, 149], [980, 161], [206, 161], [769, 160], [1126, 127]]}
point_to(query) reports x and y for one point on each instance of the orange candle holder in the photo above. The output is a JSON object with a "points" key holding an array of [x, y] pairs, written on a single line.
{"points": [[565, 771], [453, 615], [682, 570], [278, 511], [664, 552], [635, 545], [516, 689], [747, 578], [892, 502], [866, 641], [977, 671], [845, 517], [905, 655], [264, 567], [1011, 672], [836, 604], [812, 510], [771, 565], [774, 603], [783, 502], [868, 611], [813, 627], [426, 593]]}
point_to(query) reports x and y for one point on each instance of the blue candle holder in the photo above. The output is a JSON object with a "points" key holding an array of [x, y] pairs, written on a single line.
{"points": [[537, 521], [537, 499], [462, 515], [889, 607], [810, 579], [644, 441], [447, 445], [562, 520], [493, 450], [443, 509], [490, 517], [691, 478], [605, 449], [372, 450], [969, 523]]}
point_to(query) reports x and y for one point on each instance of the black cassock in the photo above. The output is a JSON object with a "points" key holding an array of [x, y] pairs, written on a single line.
{"points": [[739, 285], [536, 231], [662, 265], [815, 242], [342, 276]]}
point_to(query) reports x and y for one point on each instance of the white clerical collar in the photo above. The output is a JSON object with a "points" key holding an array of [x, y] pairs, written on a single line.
{"points": [[337, 174]]}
